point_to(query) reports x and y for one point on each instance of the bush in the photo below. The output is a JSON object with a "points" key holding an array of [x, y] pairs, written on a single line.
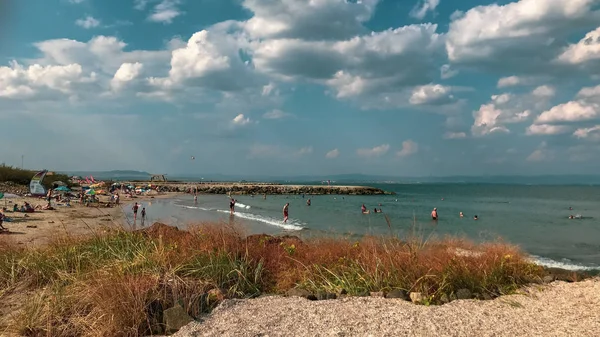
{"points": [[118, 283], [23, 177]]}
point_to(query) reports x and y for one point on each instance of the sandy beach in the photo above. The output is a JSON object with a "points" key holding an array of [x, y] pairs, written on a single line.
{"points": [[42, 226], [557, 309]]}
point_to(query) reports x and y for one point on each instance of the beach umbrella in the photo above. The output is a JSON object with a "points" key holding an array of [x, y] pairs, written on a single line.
{"points": [[91, 192], [62, 189]]}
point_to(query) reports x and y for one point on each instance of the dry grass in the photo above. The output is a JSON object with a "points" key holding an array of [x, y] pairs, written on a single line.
{"points": [[118, 283]]}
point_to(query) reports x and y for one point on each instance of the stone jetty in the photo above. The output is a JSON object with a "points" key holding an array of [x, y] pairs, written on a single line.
{"points": [[261, 188]]}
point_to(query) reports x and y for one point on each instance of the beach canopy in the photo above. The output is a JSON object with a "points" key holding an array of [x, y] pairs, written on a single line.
{"points": [[62, 189], [91, 192]]}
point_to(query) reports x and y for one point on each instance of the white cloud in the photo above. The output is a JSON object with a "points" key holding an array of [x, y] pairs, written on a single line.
{"points": [[165, 12], [317, 20], [525, 35], [332, 154], [591, 133], [126, 73], [447, 72], [432, 94], [509, 81], [573, 111], [409, 147], [423, 7], [377, 151], [455, 135], [547, 129], [492, 117], [590, 93], [88, 22], [241, 120], [544, 91], [305, 150], [19, 82], [587, 49], [276, 114]]}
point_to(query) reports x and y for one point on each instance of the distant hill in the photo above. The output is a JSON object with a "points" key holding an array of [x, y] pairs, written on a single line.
{"points": [[112, 175]]}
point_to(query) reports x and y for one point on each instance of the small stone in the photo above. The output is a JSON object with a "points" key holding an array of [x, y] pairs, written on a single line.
{"points": [[464, 294], [175, 318], [376, 294], [416, 297], [487, 297], [548, 279], [398, 293], [298, 292], [444, 299]]}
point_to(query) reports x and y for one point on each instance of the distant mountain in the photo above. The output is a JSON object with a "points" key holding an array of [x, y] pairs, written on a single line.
{"points": [[112, 175]]}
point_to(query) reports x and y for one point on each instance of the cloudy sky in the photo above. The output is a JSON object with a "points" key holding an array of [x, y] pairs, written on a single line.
{"points": [[287, 87]]}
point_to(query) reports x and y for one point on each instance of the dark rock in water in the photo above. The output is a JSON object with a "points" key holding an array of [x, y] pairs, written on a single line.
{"points": [[325, 296], [464, 294], [175, 318], [299, 293], [444, 299], [398, 293]]}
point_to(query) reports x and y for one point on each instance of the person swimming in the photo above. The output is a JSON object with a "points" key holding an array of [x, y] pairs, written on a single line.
{"points": [[461, 214], [364, 209], [475, 217]]}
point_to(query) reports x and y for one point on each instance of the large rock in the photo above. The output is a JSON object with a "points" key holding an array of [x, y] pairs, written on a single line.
{"points": [[175, 318]]}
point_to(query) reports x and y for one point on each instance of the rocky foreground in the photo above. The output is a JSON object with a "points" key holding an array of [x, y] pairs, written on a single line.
{"points": [[556, 309], [264, 188]]}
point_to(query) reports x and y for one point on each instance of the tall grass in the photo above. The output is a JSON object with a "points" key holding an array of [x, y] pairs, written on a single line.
{"points": [[119, 283], [23, 177]]}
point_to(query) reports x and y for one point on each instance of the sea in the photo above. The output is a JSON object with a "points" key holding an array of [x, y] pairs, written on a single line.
{"points": [[534, 217]]}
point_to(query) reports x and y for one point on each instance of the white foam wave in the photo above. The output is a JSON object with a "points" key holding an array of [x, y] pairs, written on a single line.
{"points": [[564, 264], [292, 225], [196, 207], [239, 204]]}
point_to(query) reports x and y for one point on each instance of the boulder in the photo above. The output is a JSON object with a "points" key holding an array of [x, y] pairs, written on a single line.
{"points": [[464, 294], [175, 318], [416, 297], [398, 293]]}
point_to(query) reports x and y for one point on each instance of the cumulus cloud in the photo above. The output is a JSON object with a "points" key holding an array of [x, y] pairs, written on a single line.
{"points": [[544, 91], [573, 111], [308, 20], [546, 129], [409, 147], [587, 49], [332, 154], [432, 94], [501, 110], [88, 22], [526, 35], [126, 73], [591, 133], [164, 12], [509, 81], [241, 120], [423, 7], [377, 151]]}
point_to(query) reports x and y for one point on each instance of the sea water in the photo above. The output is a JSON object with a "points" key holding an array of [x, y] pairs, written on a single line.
{"points": [[534, 217]]}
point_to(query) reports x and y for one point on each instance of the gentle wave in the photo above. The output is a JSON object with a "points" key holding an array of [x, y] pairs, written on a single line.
{"points": [[292, 225], [564, 264], [196, 207]]}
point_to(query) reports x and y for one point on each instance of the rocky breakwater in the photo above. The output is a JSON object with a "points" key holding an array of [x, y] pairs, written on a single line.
{"points": [[262, 188]]}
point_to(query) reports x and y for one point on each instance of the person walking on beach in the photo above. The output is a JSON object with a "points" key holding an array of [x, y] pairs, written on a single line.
{"points": [[434, 214], [135, 209], [232, 206], [285, 212]]}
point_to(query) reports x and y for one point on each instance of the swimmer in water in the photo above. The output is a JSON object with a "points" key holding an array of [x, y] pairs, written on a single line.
{"points": [[461, 214], [364, 209], [434, 215], [308, 202], [476, 218]]}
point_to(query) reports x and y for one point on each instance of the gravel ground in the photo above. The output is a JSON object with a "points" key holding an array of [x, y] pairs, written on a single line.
{"points": [[558, 309]]}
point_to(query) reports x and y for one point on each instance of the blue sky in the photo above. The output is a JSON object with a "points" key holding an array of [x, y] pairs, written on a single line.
{"points": [[289, 87]]}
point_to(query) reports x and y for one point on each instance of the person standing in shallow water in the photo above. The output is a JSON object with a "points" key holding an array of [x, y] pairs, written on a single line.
{"points": [[232, 206], [143, 215], [135, 209], [434, 214], [286, 212]]}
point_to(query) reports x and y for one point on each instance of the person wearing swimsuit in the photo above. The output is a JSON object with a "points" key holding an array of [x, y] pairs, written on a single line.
{"points": [[285, 212], [434, 214], [232, 206]]}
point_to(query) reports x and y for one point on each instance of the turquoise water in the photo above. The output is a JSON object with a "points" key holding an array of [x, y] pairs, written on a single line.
{"points": [[534, 217]]}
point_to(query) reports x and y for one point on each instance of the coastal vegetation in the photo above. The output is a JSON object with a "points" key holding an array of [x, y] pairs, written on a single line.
{"points": [[19, 176], [119, 283]]}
